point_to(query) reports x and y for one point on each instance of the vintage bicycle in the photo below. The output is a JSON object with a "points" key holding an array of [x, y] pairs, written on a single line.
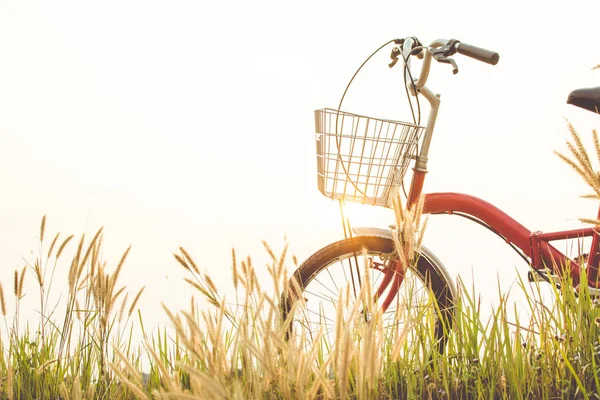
{"points": [[364, 159]]}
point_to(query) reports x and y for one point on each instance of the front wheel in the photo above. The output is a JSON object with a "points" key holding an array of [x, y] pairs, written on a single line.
{"points": [[425, 292]]}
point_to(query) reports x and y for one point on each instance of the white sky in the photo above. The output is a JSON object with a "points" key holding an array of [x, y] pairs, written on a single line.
{"points": [[190, 123]]}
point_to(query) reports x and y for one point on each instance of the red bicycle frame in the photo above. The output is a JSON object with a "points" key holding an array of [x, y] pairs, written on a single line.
{"points": [[534, 245]]}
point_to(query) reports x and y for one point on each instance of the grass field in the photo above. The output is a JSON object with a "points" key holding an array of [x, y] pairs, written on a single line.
{"points": [[239, 348]]}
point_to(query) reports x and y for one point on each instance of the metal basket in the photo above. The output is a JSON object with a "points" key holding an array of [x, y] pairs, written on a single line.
{"points": [[362, 159]]}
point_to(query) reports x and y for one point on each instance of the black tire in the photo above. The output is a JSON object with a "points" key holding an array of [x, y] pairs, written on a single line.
{"points": [[328, 261]]}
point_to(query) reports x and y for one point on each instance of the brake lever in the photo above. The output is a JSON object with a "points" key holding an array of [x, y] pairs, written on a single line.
{"points": [[394, 56], [442, 54], [450, 61], [397, 50]]}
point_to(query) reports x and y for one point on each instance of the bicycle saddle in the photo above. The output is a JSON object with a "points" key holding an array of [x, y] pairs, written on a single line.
{"points": [[588, 99]]}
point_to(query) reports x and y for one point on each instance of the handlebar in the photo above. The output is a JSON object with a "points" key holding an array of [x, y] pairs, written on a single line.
{"points": [[478, 53], [441, 49]]}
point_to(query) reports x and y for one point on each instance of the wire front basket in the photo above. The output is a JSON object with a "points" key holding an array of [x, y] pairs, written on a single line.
{"points": [[362, 159]]}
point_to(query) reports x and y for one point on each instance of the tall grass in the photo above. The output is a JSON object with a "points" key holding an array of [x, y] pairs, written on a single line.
{"points": [[239, 347], [67, 356]]}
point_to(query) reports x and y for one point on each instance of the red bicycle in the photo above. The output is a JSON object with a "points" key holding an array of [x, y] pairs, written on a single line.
{"points": [[364, 160]]}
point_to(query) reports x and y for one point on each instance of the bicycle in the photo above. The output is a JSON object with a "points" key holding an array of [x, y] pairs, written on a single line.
{"points": [[364, 159]]}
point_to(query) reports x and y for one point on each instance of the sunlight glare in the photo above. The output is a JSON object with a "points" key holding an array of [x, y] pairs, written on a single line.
{"points": [[360, 215]]}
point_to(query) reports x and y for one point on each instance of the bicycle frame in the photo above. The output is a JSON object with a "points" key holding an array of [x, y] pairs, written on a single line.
{"points": [[535, 245]]}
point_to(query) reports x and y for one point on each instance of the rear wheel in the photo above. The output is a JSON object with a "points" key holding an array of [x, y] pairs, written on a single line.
{"points": [[425, 292]]}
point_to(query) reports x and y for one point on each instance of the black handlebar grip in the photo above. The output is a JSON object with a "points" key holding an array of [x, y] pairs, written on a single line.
{"points": [[478, 53]]}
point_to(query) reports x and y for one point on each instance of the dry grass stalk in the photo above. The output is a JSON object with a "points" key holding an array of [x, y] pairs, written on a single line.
{"points": [[137, 391], [89, 250], [408, 232], [204, 386], [367, 289], [581, 162], [192, 343], [128, 375], [164, 373], [95, 254], [258, 343]]}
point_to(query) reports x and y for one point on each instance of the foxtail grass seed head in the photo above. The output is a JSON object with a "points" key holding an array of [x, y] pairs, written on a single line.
{"points": [[22, 281], [78, 253], [235, 269], [63, 390], [590, 221], [72, 276], [135, 387], [181, 261], [62, 246], [78, 309], [106, 288], [76, 389], [89, 250], [195, 285], [38, 273], [9, 378], [123, 305], [95, 265], [16, 284], [96, 251], [91, 391], [190, 260], [135, 300], [2, 301], [113, 299], [53, 244], [42, 228], [580, 160], [211, 285], [269, 251], [596, 143], [115, 275]]}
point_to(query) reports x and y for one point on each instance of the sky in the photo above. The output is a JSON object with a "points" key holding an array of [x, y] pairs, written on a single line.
{"points": [[190, 123]]}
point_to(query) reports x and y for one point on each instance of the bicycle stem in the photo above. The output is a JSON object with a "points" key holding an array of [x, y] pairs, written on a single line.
{"points": [[416, 88]]}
